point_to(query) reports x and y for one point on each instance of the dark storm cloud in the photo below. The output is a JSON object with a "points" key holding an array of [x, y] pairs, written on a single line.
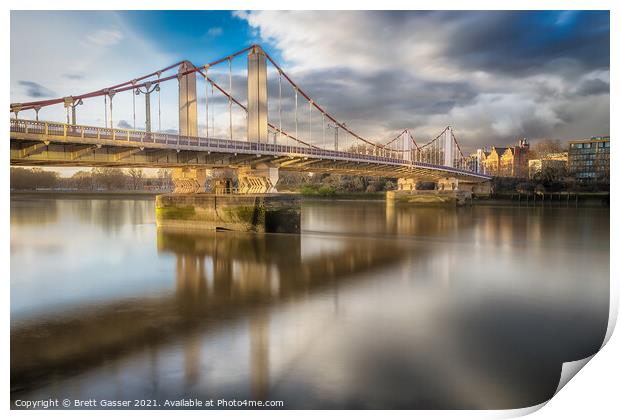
{"points": [[495, 76], [35, 90], [526, 42], [593, 87], [370, 99]]}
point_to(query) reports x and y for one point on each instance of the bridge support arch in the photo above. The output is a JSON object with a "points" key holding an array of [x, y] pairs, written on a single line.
{"points": [[260, 180], [189, 180], [447, 184]]}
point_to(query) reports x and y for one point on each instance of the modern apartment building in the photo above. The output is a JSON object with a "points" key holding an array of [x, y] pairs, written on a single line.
{"points": [[588, 160]]}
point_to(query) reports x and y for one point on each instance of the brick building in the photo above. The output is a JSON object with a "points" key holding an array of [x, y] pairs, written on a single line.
{"points": [[511, 161]]}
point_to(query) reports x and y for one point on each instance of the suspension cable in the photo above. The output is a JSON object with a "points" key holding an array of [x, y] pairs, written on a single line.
{"points": [[230, 97], [240, 105], [296, 131], [124, 86], [279, 130], [310, 122], [323, 118], [133, 104], [206, 100], [279, 104]]}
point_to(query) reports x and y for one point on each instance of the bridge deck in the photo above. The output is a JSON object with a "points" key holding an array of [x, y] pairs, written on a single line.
{"points": [[35, 143]]}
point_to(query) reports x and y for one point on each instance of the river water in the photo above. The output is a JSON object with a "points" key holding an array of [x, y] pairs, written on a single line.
{"points": [[370, 307]]}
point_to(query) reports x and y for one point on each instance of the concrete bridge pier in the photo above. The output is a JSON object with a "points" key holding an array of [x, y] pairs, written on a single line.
{"points": [[252, 206], [446, 193], [241, 198], [260, 213], [478, 189]]}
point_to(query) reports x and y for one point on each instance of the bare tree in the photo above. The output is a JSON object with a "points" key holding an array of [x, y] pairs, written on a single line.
{"points": [[30, 179], [137, 175], [165, 178], [82, 180], [110, 178], [543, 147]]}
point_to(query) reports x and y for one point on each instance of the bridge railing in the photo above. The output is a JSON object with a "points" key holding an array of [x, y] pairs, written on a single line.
{"points": [[49, 128]]}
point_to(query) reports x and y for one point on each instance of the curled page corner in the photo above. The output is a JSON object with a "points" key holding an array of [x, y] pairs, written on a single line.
{"points": [[570, 369], [520, 412], [613, 312]]}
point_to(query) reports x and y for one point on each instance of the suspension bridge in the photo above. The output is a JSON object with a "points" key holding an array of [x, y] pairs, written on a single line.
{"points": [[292, 133]]}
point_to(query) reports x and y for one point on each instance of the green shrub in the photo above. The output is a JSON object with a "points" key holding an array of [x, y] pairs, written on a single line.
{"points": [[327, 190], [309, 190]]}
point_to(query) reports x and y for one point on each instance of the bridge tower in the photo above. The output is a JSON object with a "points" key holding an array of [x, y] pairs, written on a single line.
{"points": [[188, 107], [188, 180], [448, 149], [261, 179], [257, 96]]}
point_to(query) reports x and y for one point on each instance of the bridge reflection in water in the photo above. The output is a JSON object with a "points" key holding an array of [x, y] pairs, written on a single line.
{"points": [[254, 271], [219, 276], [370, 307]]}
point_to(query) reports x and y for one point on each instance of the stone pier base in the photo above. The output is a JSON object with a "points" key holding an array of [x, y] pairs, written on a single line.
{"points": [[239, 212], [479, 189], [406, 184], [447, 198]]}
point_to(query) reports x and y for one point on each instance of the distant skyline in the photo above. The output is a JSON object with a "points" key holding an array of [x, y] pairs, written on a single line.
{"points": [[494, 76]]}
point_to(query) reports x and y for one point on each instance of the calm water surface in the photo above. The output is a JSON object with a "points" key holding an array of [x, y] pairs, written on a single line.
{"points": [[370, 307]]}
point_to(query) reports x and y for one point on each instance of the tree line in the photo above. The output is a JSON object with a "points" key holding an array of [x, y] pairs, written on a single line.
{"points": [[332, 184], [115, 179], [95, 179]]}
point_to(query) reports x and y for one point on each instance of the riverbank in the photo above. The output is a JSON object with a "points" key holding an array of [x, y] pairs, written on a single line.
{"points": [[503, 199], [564, 198], [88, 194]]}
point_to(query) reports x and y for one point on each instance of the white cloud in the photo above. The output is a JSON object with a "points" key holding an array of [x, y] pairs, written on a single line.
{"points": [[102, 38], [108, 52], [215, 32], [317, 39]]}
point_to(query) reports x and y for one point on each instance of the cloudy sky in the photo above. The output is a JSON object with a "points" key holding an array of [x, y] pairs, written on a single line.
{"points": [[493, 76]]}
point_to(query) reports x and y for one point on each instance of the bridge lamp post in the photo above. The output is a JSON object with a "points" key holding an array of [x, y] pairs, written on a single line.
{"points": [[73, 114], [148, 89], [15, 108], [69, 103]]}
